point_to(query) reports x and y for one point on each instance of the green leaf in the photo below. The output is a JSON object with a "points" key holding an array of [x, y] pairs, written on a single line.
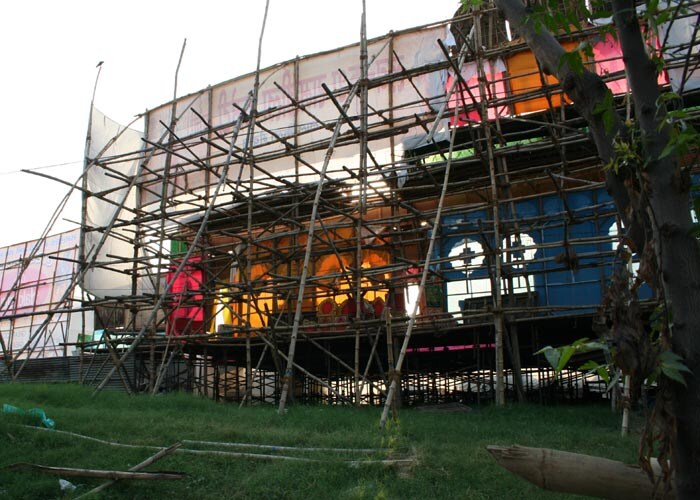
{"points": [[471, 3], [589, 365], [673, 374], [673, 360], [573, 60], [672, 366], [595, 346], [552, 356], [544, 349], [669, 96], [559, 357], [653, 376], [586, 48], [594, 367], [658, 318], [663, 17], [567, 352], [668, 149], [605, 110]]}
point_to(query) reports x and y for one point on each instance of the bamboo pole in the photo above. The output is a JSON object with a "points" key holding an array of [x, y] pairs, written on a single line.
{"points": [[626, 407], [165, 184], [83, 215], [495, 207], [307, 255], [421, 287], [426, 266], [142, 465], [362, 181], [179, 269], [123, 375], [106, 474], [274, 447], [164, 368]]}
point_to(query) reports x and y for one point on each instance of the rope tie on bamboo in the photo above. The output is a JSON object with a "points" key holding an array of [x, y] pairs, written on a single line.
{"points": [[394, 375]]}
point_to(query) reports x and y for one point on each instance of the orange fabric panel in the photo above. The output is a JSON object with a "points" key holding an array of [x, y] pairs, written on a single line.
{"points": [[254, 309], [257, 271], [525, 77], [330, 264], [375, 258]]}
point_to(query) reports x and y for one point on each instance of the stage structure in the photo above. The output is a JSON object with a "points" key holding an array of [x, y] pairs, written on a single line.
{"points": [[424, 209]]}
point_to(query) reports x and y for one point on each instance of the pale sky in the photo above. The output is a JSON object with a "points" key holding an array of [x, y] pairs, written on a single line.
{"points": [[49, 50]]}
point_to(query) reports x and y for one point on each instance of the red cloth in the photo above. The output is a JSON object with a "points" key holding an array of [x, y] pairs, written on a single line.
{"points": [[187, 307]]}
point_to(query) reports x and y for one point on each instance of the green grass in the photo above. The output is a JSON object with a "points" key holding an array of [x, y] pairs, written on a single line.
{"points": [[451, 460]]}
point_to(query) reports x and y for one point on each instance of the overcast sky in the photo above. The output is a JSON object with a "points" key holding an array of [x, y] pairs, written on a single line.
{"points": [[49, 50]]}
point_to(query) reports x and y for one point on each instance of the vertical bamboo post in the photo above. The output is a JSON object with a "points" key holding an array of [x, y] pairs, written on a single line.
{"points": [[307, 254], [626, 407], [496, 288], [421, 286], [84, 198], [426, 266], [248, 393], [248, 366], [362, 180], [389, 355]]}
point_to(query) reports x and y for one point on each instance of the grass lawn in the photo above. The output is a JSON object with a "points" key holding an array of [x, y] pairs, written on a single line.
{"points": [[449, 448]]}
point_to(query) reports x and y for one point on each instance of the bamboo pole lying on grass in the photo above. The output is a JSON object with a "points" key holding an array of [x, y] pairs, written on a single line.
{"points": [[290, 448], [150, 460], [567, 472], [256, 456], [108, 474]]}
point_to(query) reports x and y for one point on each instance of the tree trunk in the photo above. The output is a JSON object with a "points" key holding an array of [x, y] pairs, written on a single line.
{"points": [[676, 250], [667, 188]]}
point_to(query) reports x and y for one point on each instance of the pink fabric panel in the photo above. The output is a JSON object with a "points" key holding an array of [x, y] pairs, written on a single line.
{"points": [[471, 96]]}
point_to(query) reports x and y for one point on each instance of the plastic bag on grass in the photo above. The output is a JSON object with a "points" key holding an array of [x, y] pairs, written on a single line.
{"points": [[32, 412]]}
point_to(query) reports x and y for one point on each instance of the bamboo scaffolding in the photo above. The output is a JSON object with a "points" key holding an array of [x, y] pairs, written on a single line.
{"points": [[272, 198], [307, 256], [160, 301]]}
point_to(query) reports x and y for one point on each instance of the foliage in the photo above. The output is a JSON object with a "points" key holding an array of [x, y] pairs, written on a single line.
{"points": [[451, 460], [666, 363], [605, 111], [684, 138], [558, 357]]}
